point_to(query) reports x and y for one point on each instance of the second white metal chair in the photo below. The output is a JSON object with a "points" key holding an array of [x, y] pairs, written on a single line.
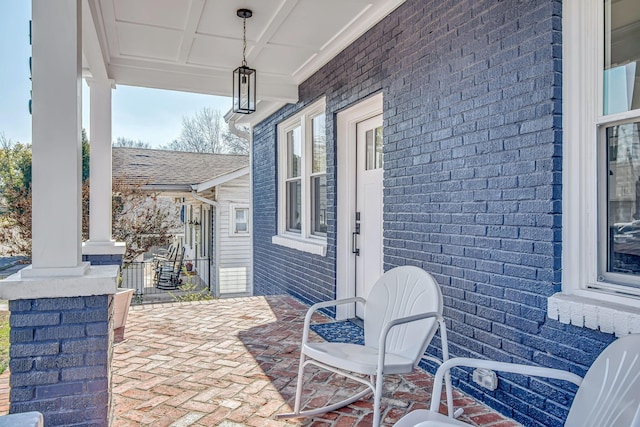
{"points": [[608, 395], [402, 313]]}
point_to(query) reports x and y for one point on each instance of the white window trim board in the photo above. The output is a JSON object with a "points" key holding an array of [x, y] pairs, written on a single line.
{"points": [[299, 244], [304, 241], [579, 303], [232, 220]]}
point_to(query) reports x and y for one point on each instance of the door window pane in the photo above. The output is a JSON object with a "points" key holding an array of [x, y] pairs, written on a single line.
{"points": [[621, 56], [294, 153], [373, 143], [319, 144], [319, 205], [623, 199], [294, 205]]}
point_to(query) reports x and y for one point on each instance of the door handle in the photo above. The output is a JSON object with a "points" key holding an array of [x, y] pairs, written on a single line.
{"points": [[354, 240], [354, 243]]}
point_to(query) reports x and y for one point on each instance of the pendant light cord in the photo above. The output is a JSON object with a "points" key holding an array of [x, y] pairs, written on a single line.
{"points": [[244, 42]]}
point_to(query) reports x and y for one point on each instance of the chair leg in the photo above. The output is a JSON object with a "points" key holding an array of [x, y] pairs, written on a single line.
{"points": [[377, 399], [296, 407], [449, 392], [297, 413]]}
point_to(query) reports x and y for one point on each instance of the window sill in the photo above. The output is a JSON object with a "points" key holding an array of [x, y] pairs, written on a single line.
{"points": [[303, 245], [585, 312]]}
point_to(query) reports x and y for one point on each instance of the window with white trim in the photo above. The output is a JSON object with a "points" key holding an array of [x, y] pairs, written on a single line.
{"points": [[239, 220], [302, 186], [601, 166]]}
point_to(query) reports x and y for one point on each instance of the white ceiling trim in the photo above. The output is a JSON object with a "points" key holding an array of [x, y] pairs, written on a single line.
{"points": [[92, 50], [350, 33], [197, 80], [108, 16]]}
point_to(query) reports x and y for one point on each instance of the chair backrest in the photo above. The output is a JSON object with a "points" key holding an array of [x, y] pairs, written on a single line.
{"points": [[610, 391], [172, 251], [178, 260], [401, 292]]}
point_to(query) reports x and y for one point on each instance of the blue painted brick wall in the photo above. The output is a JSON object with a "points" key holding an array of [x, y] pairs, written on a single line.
{"points": [[280, 270], [473, 171], [60, 359]]}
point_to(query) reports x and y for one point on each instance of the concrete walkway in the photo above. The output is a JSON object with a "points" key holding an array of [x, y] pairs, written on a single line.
{"points": [[233, 363]]}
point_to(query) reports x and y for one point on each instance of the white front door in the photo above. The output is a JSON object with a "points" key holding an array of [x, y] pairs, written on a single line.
{"points": [[367, 238]]}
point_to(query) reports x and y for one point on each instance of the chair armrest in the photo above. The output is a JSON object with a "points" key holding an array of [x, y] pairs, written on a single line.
{"points": [[514, 368], [400, 321], [324, 304], [382, 341]]}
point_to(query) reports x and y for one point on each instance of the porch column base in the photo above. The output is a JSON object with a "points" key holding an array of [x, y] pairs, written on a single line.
{"points": [[62, 346], [103, 253]]}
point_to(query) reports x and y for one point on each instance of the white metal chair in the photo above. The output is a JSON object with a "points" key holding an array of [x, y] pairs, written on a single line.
{"points": [[608, 395], [401, 315]]}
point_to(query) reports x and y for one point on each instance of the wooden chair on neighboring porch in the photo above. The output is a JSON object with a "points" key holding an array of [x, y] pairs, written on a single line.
{"points": [[167, 272]]}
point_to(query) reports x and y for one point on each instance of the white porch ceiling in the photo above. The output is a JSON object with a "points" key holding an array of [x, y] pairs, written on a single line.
{"points": [[193, 45]]}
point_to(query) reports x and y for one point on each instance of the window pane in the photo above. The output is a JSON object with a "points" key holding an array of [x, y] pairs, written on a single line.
{"points": [[241, 220], [319, 144], [623, 199], [319, 205], [294, 205], [373, 140], [622, 54], [294, 153]]}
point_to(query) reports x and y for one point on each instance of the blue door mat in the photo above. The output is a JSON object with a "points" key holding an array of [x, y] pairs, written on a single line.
{"points": [[344, 331]]}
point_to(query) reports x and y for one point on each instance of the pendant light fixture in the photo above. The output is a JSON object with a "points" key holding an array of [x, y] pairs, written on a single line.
{"points": [[244, 78]]}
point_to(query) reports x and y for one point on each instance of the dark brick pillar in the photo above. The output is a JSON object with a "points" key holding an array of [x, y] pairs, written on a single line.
{"points": [[60, 364], [107, 259]]}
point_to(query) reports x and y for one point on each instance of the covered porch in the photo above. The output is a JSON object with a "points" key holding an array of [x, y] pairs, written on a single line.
{"points": [[65, 298], [232, 362]]}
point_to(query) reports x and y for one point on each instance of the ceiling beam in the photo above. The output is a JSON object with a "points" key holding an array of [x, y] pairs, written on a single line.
{"points": [[92, 48], [189, 34], [272, 88], [279, 17]]}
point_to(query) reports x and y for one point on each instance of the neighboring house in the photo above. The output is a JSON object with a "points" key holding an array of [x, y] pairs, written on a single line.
{"points": [[494, 144], [213, 191]]}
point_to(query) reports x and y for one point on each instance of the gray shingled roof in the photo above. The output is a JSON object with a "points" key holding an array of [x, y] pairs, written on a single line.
{"points": [[172, 169]]}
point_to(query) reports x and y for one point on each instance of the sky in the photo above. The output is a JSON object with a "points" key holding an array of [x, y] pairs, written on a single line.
{"points": [[150, 115]]}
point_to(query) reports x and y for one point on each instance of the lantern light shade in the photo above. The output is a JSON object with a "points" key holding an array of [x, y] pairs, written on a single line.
{"points": [[244, 90]]}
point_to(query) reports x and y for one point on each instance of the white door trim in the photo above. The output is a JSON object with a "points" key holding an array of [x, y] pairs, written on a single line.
{"points": [[346, 204]]}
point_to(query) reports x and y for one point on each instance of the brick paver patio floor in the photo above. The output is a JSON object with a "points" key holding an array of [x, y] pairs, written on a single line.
{"points": [[233, 362]]}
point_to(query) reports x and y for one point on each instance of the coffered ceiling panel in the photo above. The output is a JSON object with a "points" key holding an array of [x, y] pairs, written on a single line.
{"points": [[283, 60], [148, 42], [314, 23], [216, 52], [159, 13]]}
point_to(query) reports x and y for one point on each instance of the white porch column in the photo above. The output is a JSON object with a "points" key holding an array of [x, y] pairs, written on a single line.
{"points": [[100, 166], [101, 248], [56, 145]]}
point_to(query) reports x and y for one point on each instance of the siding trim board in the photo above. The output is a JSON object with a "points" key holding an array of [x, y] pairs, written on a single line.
{"points": [[472, 184]]}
